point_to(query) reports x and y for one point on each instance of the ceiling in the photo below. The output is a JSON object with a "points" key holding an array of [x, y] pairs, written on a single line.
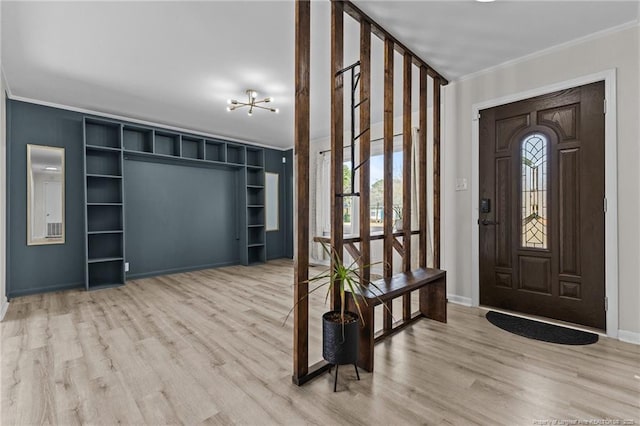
{"points": [[177, 63]]}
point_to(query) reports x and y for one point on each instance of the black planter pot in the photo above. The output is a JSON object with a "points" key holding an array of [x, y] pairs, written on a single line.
{"points": [[340, 344]]}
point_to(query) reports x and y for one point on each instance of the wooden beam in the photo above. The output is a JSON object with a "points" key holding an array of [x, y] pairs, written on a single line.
{"points": [[406, 162], [406, 176], [376, 236], [354, 252], [436, 172], [365, 151], [388, 160], [301, 150], [384, 35], [422, 170], [337, 134], [397, 245]]}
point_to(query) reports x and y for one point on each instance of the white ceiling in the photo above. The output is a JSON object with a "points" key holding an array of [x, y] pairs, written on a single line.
{"points": [[176, 63]]}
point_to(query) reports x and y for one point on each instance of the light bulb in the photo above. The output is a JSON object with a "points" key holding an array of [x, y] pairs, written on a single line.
{"points": [[229, 109], [276, 110], [254, 94], [229, 101], [249, 113]]}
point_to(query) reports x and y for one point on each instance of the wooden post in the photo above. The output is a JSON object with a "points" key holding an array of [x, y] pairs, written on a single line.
{"points": [[388, 171], [337, 135], [365, 151], [301, 149], [437, 84], [422, 166], [406, 178]]}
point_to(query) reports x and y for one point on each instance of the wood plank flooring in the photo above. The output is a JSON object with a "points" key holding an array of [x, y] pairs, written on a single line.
{"points": [[209, 347]]}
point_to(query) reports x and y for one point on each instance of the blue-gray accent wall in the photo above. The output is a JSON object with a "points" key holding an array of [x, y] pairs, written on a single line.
{"points": [[198, 224], [278, 241], [36, 269]]}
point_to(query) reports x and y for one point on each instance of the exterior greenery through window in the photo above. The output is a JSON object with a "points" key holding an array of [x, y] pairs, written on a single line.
{"points": [[376, 214]]}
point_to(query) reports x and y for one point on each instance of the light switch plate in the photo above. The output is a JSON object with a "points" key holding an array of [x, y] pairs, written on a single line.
{"points": [[126, 266], [461, 184]]}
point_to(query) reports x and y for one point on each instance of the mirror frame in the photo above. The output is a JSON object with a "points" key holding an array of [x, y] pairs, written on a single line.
{"points": [[267, 202], [30, 240]]}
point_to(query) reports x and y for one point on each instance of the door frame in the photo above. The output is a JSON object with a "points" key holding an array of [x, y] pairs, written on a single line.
{"points": [[611, 184]]}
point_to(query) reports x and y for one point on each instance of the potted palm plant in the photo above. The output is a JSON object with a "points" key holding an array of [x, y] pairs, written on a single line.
{"points": [[340, 334]]}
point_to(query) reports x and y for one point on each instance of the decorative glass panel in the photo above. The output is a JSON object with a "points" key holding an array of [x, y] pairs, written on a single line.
{"points": [[534, 191]]}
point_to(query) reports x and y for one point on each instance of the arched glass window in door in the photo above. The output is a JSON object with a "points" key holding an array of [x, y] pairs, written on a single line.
{"points": [[534, 196]]}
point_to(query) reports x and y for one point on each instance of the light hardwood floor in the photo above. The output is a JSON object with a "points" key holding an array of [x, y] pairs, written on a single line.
{"points": [[209, 347]]}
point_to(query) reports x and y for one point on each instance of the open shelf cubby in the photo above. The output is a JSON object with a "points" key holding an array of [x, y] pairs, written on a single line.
{"points": [[104, 218], [192, 148], [104, 246], [102, 190], [167, 144], [255, 236], [255, 157], [103, 274], [103, 162], [255, 216], [215, 151], [256, 254], [102, 133], [255, 177], [137, 139], [235, 154], [255, 196]]}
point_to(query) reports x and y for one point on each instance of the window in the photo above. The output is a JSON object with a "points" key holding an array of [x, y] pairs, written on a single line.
{"points": [[376, 212], [534, 191]]}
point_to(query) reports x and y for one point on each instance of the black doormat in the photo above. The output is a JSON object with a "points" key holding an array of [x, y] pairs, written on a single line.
{"points": [[540, 330]]}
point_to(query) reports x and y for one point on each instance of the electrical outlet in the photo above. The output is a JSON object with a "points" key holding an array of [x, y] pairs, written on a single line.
{"points": [[126, 266]]}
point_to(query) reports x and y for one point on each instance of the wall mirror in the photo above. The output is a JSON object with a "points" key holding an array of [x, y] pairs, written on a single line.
{"points": [[45, 195], [272, 201]]}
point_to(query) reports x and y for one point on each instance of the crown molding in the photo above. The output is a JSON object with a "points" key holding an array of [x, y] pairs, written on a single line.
{"points": [[558, 47], [138, 121], [5, 82]]}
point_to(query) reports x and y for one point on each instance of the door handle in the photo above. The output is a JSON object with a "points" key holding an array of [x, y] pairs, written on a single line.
{"points": [[486, 222]]}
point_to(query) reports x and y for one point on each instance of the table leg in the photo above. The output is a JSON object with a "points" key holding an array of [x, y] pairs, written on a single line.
{"points": [[365, 358], [433, 300]]}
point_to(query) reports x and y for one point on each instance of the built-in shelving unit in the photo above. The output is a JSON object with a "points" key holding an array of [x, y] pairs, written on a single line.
{"points": [[255, 229], [104, 211], [108, 143]]}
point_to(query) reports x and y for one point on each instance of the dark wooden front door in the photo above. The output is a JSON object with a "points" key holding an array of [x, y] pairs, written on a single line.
{"points": [[542, 206]]}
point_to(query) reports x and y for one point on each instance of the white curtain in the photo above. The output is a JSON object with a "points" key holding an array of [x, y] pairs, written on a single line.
{"points": [[320, 205]]}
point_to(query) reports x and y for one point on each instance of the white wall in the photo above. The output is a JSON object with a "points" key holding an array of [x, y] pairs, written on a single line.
{"points": [[618, 50]]}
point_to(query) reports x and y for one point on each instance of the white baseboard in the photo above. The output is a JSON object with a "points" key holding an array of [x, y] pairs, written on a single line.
{"points": [[4, 305], [459, 300], [629, 336]]}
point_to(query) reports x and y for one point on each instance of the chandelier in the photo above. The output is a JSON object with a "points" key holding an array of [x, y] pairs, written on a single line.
{"points": [[251, 103]]}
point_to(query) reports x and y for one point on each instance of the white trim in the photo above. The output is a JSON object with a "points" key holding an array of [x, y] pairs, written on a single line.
{"points": [[142, 122], [7, 88], [629, 337], [4, 305], [459, 300], [611, 184], [548, 50]]}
